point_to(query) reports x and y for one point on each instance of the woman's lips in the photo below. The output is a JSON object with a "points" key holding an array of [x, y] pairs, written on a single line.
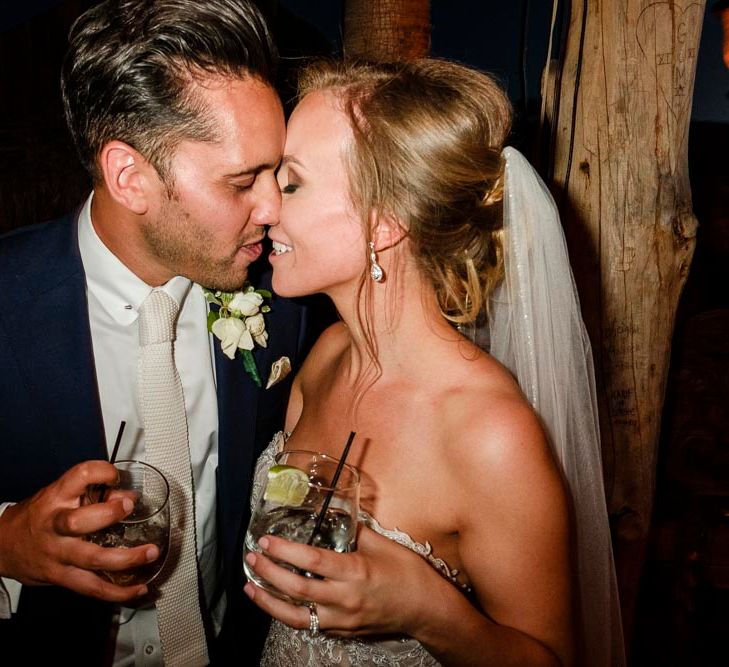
{"points": [[279, 249]]}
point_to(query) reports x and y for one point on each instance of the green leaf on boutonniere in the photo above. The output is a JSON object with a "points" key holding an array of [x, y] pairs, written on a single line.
{"points": [[249, 363], [239, 324]]}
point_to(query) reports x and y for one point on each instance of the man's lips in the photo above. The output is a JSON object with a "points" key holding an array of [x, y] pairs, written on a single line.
{"points": [[253, 250]]}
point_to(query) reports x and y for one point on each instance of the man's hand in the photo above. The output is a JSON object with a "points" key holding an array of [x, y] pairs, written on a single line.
{"points": [[41, 538]]}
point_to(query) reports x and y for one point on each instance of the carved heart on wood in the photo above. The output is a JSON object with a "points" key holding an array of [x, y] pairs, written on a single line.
{"points": [[666, 34]]}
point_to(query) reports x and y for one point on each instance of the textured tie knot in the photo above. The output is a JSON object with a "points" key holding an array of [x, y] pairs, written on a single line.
{"points": [[157, 317]]}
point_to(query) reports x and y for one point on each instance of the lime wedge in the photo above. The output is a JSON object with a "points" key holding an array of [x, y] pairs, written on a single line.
{"points": [[286, 485]]}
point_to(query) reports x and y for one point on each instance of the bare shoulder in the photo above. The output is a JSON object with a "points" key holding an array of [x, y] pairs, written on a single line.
{"points": [[488, 427], [511, 506]]}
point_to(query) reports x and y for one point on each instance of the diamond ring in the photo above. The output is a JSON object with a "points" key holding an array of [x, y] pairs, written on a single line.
{"points": [[313, 620]]}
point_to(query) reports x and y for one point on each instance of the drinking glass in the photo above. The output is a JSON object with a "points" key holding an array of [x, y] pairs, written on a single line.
{"points": [[147, 523], [296, 518]]}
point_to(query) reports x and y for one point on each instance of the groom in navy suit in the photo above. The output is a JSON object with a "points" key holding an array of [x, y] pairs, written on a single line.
{"points": [[173, 112]]}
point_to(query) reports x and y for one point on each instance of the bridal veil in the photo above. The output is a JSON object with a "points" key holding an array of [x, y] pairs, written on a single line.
{"points": [[536, 330]]}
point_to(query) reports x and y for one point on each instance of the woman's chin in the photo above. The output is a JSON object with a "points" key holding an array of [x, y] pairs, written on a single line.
{"points": [[283, 287]]}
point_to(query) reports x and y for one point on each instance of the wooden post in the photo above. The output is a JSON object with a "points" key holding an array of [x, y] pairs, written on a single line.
{"points": [[386, 29], [620, 166]]}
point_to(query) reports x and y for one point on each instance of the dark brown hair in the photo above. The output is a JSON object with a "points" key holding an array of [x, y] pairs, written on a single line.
{"points": [[130, 63]]}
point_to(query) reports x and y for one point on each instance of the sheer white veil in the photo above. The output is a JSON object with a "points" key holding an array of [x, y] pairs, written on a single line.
{"points": [[536, 330]]}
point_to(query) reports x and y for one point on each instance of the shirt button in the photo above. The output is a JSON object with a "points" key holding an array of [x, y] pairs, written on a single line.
{"points": [[149, 649]]}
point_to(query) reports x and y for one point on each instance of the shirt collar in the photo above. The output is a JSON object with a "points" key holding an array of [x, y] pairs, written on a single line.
{"points": [[119, 291]]}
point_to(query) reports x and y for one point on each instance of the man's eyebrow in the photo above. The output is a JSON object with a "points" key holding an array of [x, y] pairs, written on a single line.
{"points": [[253, 171]]}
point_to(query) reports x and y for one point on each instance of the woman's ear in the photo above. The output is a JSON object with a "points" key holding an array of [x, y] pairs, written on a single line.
{"points": [[127, 176], [387, 231]]}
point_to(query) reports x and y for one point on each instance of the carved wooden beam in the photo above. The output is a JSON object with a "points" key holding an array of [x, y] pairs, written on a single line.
{"points": [[620, 166]]}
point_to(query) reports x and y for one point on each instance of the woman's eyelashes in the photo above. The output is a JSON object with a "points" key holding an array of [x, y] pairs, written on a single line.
{"points": [[287, 174]]}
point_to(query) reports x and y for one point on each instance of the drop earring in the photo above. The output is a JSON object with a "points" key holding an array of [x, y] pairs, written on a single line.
{"points": [[376, 272]]}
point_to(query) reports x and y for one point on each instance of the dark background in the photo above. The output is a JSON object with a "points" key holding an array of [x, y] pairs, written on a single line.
{"points": [[683, 611], [38, 172]]}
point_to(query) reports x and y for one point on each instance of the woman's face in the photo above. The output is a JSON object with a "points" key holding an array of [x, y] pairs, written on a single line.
{"points": [[318, 242]]}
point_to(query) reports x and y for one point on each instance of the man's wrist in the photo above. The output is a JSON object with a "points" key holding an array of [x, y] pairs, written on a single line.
{"points": [[9, 588], [3, 539]]}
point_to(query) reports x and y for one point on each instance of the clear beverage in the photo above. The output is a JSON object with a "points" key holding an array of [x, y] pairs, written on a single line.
{"points": [[338, 528], [128, 534], [147, 523]]}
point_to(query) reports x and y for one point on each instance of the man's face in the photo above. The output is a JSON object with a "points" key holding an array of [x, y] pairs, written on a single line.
{"points": [[207, 224]]}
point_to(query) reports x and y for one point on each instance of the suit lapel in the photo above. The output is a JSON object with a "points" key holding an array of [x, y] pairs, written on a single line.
{"points": [[248, 416], [48, 327], [237, 410]]}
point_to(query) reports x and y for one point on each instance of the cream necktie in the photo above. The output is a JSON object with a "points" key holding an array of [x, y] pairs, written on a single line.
{"points": [[165, 435]]}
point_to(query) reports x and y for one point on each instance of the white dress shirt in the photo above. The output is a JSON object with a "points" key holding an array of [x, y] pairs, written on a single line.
{"points": [[114, 296]]}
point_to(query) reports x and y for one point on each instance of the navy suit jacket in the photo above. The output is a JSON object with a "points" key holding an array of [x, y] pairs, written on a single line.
{"points": [[50, 419]]}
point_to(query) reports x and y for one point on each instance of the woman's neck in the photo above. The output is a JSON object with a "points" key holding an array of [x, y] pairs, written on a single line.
{"points": [[406, 325]]}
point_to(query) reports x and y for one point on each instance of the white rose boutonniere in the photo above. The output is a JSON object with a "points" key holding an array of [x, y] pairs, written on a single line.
{"points": [[239, 324]]}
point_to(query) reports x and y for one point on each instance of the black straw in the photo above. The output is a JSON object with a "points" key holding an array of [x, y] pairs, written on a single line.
{"points": [[103, 488], [330, 493], [119, 434]]}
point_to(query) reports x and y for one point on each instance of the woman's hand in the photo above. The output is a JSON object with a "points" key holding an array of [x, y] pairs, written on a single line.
{"points": [[382, 588]]}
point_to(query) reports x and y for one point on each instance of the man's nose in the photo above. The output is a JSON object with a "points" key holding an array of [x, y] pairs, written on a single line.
{"points": [[267, 208]]}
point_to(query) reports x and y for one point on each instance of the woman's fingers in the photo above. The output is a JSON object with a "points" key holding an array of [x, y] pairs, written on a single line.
{"points": [[331, 619], [323, 562], [340, 603], [297, 616], [296, 586], [356, 594]]}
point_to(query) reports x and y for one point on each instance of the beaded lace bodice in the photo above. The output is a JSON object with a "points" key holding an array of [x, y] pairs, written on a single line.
{"points": [[287, 647]]}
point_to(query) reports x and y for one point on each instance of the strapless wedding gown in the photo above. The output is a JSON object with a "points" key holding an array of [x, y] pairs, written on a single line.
{"points": [[287, 647]]}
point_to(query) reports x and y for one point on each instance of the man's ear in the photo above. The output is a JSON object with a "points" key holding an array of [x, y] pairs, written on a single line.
{"points": [[127, 176], [387, 231]]}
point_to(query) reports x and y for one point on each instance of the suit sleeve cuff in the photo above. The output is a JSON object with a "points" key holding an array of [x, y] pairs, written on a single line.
{"points": [[9, 588]]}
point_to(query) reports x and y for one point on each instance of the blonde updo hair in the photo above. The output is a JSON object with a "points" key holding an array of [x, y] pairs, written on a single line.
{"points": [[428, 136]]}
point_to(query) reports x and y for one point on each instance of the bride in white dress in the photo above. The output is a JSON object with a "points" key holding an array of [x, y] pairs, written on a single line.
{"points": [[392, 182]]}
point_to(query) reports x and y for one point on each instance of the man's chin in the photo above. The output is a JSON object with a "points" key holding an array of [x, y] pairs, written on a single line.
{"points": [[226, 281]]}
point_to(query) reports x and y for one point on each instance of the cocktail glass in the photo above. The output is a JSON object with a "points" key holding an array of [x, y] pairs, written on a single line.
{"points": [[147, 523], [291, 508]]}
